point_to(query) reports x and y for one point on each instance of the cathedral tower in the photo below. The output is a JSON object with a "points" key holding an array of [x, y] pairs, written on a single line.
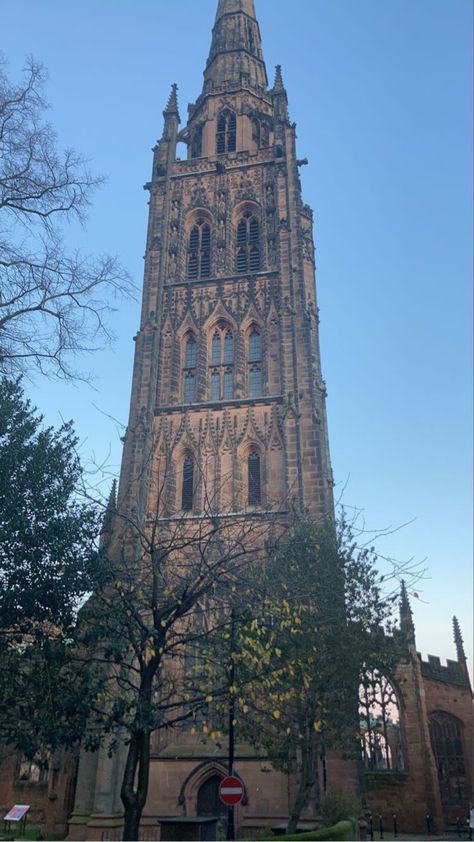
{"points": [[227, 385], [228, 400]]}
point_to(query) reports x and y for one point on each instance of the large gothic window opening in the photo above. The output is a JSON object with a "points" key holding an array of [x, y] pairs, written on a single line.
{"points": [[379, 722], [222, 364], [253, 478], [226, 137], [199, 250], [248, 244], [254, 363], [446, 742], [34, 770], [189, 370], [187, 486]]}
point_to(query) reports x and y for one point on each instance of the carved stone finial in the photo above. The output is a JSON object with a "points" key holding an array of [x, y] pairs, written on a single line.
{"points": [[172, 104], [459, 642], [406, 618], [278, 83], [107, 522]]}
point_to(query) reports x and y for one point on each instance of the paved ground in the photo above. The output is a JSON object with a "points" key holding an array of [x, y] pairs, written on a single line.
{"points": [[417, 837]]}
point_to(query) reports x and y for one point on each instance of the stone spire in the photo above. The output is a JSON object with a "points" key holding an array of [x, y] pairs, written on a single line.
{"points": [[165, 149], [459, 643], [172, 104], [279, 96], [406, 619], [278, 85], [108, 519], [171, 114], [235, 57]]}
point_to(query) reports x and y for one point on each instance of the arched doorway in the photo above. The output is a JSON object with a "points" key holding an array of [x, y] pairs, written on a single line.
{"points": [[208, 801]]}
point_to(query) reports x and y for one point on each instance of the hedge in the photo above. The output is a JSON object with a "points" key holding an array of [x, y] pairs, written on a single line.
{"points": [[344, 830]]}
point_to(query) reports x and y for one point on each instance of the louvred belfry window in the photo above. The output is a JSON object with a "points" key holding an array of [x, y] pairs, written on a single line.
{"points": [[226, 137], [189, 370], [248, 244], [254, 364], [253, 472], [222, 364], [187, 488], [199, 251]]}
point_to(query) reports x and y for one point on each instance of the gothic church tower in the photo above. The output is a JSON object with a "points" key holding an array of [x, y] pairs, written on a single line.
{"points": [[228, 398], [227, 385]]}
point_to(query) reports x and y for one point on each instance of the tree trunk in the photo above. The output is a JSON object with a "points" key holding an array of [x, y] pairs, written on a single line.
{"points": [[306, 780], [135, 783]]}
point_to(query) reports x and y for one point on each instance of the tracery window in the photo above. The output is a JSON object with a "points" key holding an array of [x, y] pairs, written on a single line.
{"points": [[189, 370], [187, 486], [379, 722], [199, 250], [222, 364], [254, 363], [248, 244], [34, 770], [226, 137], [446, 742], [253, 478]]}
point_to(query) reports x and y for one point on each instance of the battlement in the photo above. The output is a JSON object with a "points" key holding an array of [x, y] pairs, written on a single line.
{"points": [[451, 673]]}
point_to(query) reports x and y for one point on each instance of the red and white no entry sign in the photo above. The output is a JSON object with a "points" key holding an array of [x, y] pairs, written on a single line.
{"points": [[231, 790]]}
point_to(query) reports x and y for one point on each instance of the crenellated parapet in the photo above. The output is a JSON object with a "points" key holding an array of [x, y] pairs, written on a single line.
{"points": [[452, 672]]}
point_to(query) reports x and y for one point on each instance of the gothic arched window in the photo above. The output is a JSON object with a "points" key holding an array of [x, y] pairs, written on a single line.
{"points": [[187, 486], [222, 364], [248, 244], [226, 137], [199, 250], [446, 742], [253, 478], [379, 722], [254, 364], [189, 370]]}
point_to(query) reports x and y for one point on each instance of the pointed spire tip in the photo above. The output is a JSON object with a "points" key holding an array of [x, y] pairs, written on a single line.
{"points": [[278, 83], [172, 104]]}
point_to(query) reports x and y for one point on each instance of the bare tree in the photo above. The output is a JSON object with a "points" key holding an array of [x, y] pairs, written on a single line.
{"points": [[53, 303], [172, 583]]}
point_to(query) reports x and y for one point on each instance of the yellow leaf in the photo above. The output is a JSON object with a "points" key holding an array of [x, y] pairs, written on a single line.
{"points": [[208, 698], [163, 623], [276, 714], [288, 730], [317, 726], [245, 708], [215, 735], [205, 729], [277, 652], [193, 730]]}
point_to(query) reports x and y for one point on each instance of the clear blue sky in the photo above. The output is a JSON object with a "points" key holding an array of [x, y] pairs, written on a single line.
{"points": [[382, 95]]}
